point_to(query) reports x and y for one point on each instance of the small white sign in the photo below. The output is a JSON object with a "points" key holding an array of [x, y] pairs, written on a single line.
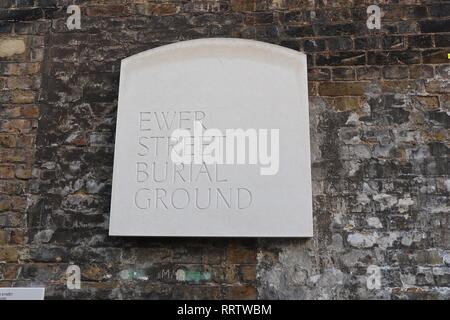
{"points": [[22, 293], [212, 140]]}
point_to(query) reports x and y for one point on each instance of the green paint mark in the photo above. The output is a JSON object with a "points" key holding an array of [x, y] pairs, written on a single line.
{"points": [[193, 276], [197, 276], [133, 275], [137, 274]]}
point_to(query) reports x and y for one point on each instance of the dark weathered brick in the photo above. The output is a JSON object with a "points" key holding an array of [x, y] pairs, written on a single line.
{"points": [[442, 40], [24, 3], [294, 16], [440, 10], [434, 26], [366, 43], [109, 10], [332, 14], [318, 74], [342, 88], [339, 44], [46, 3], [420, 41], [443, 71], [341, 58], [5, 27], [407, 27], [396, 72], [297, 32], [344, 74], [314, 45], [393, 42], [416, 12], [368, 73], [21, 14], [435, 56], [337, 29], [421, 71], [6, 3], [393, 57]]}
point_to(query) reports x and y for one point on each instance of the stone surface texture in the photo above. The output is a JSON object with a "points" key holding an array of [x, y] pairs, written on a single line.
{"points": [[379, 114]]}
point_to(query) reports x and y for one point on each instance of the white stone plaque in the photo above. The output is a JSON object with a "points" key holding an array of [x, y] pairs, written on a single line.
{"points": [[239, 110], [22, 293]]}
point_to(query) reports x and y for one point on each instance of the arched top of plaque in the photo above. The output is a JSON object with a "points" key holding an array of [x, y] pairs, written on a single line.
{"points": [[217, 48]]}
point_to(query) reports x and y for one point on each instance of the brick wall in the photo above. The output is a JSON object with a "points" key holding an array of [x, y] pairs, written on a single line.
{"points": [[379, 104]]}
